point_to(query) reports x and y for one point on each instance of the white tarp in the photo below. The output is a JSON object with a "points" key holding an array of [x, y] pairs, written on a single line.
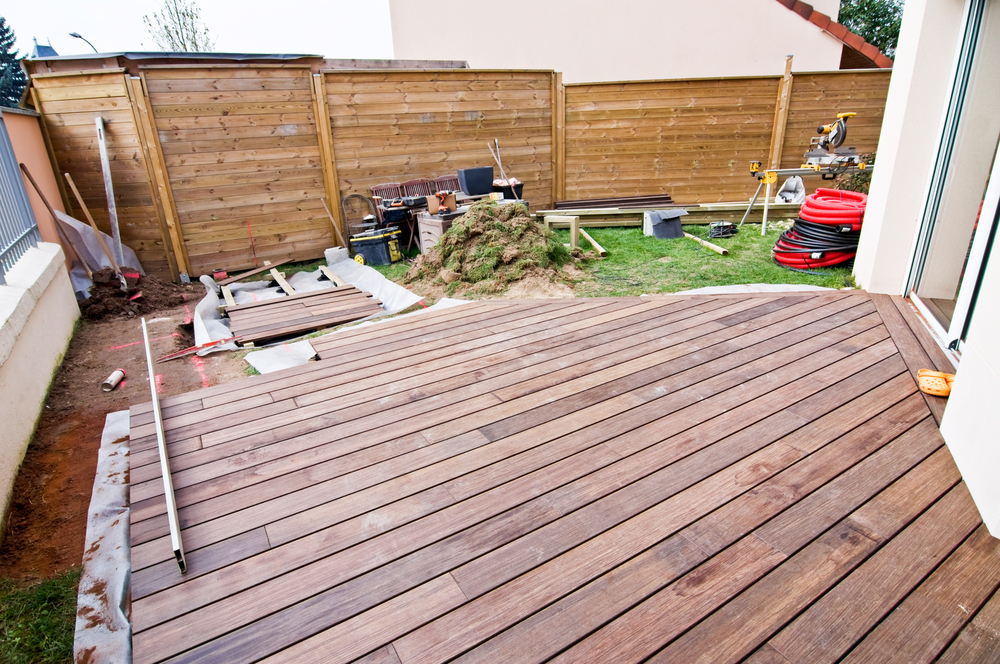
{"points": [[85, 243], [209, 324], [103, 632], [282, 356]]}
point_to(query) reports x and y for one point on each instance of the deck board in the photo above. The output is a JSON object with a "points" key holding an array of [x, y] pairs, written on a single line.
{"points": [[672, 478]]}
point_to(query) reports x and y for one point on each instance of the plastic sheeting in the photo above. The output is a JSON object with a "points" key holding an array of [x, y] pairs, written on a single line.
{"points": [[86, 245], [282, 356], [103, 631], [209, 325]]}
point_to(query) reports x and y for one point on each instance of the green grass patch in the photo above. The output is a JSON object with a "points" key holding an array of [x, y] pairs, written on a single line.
{"points": [[37, 622], [638, 264]]}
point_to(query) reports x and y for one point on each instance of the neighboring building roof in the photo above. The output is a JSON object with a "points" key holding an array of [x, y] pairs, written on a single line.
{"points": [[868, 53], [42, 51]]}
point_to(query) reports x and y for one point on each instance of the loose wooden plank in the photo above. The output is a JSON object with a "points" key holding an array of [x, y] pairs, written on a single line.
{"points": [[239, 277]]}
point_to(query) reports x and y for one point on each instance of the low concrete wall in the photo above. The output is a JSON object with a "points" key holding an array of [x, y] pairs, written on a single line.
{"points": [[37, 313]]}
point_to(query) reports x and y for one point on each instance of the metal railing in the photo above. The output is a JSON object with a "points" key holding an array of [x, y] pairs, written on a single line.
{"points": [[18, 228]]}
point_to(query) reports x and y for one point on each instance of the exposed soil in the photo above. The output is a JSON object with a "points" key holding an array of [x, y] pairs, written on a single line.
{"points": [[143, 294], [489, 251], [47, 523]]}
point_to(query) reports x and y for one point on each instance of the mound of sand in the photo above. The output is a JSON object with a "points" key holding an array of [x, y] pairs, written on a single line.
{"points": [[490, 248]]}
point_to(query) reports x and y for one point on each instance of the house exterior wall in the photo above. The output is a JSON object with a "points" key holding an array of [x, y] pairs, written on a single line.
{"points": [[918, 94], [914, 110], [972, 420], [593, 40], [37, 313], [29, 148]]}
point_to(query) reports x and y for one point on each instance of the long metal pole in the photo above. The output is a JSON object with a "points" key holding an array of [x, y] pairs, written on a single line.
{"points": [[161, 445], [110, 191]]}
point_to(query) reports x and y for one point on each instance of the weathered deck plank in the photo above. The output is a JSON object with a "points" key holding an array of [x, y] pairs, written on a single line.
{"points": [[680, 478]]}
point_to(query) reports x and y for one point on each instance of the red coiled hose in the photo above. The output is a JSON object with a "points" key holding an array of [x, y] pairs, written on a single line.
{"points": [[826, 232]]}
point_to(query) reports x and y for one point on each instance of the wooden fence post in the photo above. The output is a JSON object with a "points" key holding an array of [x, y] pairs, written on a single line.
{"points": [[133, 86], [781, 116], [327, 155], [148, 127], [559, 145]]}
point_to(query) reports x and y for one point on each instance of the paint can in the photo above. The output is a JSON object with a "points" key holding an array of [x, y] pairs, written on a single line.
{"points": [[111, 381]]}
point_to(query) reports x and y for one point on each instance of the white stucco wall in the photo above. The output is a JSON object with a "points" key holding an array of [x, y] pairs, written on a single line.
{"points": [[918, 92], [595, 40], [971, 424], [37, 313]]}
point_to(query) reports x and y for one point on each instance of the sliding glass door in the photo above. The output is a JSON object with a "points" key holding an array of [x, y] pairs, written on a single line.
{"points": [[960, 212]]}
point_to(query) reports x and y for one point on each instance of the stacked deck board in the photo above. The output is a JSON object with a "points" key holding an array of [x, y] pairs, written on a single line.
{"points": [[300, 313]]}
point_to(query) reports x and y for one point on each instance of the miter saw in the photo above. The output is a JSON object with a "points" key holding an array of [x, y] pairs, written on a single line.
{"points": [[827, 148], [827, 156]]}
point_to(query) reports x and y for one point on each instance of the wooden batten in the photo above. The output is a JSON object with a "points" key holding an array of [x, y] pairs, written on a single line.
{"points": [[325, 132], [63, 194], [560, 138], [162, 181], [780, 116]]}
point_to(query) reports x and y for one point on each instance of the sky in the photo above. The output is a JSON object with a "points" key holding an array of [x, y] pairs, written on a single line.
{"points": [[332, 28]]}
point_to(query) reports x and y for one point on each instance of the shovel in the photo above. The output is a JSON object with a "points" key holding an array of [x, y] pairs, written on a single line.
{"points": [[100, 238]]}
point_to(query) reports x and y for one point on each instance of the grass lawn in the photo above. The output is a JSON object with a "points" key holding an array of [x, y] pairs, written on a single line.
{"points": [[37, 622], [637, 264]]}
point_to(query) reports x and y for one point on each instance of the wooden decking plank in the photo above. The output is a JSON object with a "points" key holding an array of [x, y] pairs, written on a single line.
{"points": [[979, 640], [297, 325], [388, 381], [752, 509], [615, 500], [307, 415], [250, 273], [910, 348], [272, 593], [274, 565], [368, 590], [559, 625], [726, 635], [841, 618], [692, 459], [941, 361], [819, 509], [281, 529], [544, 634], [927, 621], [167, 573], [322, 292]]}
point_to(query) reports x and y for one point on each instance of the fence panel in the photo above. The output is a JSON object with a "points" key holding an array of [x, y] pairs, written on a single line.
{"points": [[18, 229], [69, 105], [694, 139], [242, 155], [401, 125], [817, 98]]}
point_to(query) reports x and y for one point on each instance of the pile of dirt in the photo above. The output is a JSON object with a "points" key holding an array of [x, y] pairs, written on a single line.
{"points": [[490, 248], [144, 294]]}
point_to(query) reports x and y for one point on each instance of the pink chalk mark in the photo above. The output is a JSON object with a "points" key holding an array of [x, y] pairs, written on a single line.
{"points": [[159, 382], [199, 364], [134, 343], [187, 321]]}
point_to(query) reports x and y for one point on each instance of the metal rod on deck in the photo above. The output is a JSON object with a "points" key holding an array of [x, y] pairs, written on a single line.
{"points": [[161, 445]]}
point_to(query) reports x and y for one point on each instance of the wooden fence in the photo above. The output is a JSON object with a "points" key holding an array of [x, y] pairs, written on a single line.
{"points": [[694, 139], [225, 165]]}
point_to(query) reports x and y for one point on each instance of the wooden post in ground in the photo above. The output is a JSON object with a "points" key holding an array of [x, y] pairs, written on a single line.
{"points": [[780, 116], [327, 156]]}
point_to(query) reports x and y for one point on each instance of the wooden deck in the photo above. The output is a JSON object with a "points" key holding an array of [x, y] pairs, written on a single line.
{"points": [[677, 479]]}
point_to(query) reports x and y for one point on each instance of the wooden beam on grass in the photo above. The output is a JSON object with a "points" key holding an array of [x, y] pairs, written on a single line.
{"points": [[708, 245], [601, 251]]}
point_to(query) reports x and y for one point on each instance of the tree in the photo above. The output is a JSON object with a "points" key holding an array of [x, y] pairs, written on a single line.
{"points": [[876, 21], [12, 78], [178, 27]]}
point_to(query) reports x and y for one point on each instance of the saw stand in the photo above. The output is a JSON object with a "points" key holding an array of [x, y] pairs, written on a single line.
{"points": [[768, 178]]}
